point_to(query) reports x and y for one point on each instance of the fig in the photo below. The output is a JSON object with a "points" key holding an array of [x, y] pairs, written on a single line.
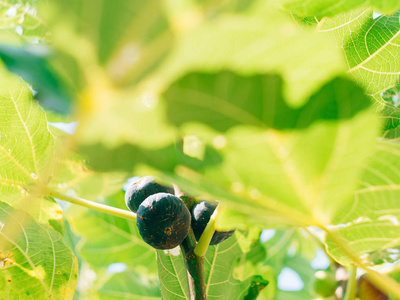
{"points": [[201, 214], [138, 191], [163, 221], [324, 283]]}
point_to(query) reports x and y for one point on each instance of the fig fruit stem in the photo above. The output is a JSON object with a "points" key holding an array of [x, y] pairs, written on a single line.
{"points": [[93, 205], [194, 269], [205, 238], [351, 284]]}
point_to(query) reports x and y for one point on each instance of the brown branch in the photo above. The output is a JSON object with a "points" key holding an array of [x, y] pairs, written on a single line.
{"points": [[194, 269]]}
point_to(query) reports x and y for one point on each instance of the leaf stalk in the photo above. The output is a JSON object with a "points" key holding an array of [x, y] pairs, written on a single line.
{"points": [[205, 239], [351, 284]]}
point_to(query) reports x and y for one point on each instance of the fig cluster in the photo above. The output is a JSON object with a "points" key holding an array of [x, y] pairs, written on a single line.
{"points": [[163, 220]]}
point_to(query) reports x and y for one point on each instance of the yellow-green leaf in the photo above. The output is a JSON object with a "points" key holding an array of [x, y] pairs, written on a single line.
{"points": [[34, 261]]}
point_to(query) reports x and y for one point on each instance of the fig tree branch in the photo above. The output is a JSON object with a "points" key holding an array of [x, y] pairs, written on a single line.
{"points": [[194, 269], [93, 205]]}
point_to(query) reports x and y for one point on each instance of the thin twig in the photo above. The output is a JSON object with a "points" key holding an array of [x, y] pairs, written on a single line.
{"points": [[93, 205]]}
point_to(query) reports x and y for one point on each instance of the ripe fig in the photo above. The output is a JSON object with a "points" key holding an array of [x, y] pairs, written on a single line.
{"points": [[138, 191], [163, 221], [201, 214]]}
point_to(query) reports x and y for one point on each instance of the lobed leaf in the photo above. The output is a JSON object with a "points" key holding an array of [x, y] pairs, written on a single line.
{"points": [[371, 221], [370, 46]]}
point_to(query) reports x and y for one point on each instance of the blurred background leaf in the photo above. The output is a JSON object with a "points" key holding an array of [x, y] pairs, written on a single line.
{"points": [[107, 239], [268, 175], [33, 64]]}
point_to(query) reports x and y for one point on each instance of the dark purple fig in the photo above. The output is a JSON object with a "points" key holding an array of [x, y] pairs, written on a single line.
{"points": [[163, 221], [138, 191], [201, 214]]}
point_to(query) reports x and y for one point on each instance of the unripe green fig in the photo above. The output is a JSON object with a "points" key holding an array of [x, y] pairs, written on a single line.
{"points": [[163, 221], [201, 214], [324, 283], [138, 191]]}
